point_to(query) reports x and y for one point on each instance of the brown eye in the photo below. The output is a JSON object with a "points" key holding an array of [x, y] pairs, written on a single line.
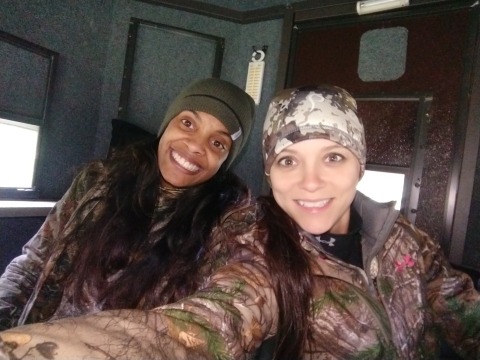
{"points": [[218, 145], [286, 161], [187, 123], [334, 158]]}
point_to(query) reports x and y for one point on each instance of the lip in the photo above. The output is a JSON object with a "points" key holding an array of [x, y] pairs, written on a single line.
{"points": [[314, 209], [187, 158]]}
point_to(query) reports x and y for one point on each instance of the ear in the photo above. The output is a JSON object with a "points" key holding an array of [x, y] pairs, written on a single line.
{"points": [[362, 172]]}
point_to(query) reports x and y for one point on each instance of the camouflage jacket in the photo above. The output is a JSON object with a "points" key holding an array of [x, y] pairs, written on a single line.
{"points": [[392, 310], [399, 306], [226, 318]]}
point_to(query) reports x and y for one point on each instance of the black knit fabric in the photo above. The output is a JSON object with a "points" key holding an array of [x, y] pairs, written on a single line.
{"points": [[346, 247]]}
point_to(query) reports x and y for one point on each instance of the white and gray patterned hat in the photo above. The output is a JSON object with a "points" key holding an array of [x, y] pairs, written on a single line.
{"points": [[312, 112]]}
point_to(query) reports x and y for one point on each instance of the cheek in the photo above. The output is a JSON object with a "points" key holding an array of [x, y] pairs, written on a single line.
{"points": [[348, 182], [217, 159], [280, 182], [279, 199], [222, 158], [280, 191], [162, 149]]}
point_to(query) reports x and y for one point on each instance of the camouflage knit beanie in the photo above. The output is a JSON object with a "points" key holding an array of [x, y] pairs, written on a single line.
{"points": [[312, 112], [228, 103]]}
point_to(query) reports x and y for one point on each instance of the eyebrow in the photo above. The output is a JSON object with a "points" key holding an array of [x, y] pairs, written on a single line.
{"points": [[197, 117], [328, 148]]}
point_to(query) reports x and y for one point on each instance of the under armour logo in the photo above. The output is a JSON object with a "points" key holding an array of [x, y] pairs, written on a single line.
{"points": [[330, 242]]}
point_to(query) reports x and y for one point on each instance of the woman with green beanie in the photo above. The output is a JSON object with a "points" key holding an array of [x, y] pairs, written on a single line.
{"points": [[157, 224]]}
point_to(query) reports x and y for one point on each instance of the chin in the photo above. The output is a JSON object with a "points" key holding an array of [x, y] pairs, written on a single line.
{"points": [[173, 183], [313, 229]]}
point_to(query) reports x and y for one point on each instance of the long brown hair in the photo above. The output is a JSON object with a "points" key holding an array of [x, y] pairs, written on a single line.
{"points": [[121, 240], [290, 271]]}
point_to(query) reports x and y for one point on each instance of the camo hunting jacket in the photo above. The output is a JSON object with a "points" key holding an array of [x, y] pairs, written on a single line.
{"points": [[406, 298], [397, 308], [229, 315]]}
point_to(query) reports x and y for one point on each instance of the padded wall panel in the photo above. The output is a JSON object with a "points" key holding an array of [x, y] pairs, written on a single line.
{"points": [[165, 61]]}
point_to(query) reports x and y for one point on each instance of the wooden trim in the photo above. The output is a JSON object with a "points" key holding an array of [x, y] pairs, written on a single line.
{"points": [[330, 9], [199, 8], [220, 12], [265, 14]]}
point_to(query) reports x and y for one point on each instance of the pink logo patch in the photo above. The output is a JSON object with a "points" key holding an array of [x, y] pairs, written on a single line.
{"points": [[407, 262]]}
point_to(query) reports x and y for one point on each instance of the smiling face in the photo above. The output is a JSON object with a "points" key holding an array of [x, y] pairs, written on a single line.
{"points": [[314, 182], [192, 149]]}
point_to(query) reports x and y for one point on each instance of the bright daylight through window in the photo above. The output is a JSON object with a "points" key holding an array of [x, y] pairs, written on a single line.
{"points": [[18, 150], [382, 186]]}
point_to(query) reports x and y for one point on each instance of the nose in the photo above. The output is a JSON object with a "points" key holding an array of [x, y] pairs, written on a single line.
{"points": [[196, 145], [312, 179]]}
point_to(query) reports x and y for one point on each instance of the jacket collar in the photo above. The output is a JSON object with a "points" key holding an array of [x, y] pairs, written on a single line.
{"points": [[378, 220]]}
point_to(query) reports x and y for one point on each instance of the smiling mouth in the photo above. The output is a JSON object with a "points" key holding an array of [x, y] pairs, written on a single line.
{"points": [[313, 204], [184, 163]]}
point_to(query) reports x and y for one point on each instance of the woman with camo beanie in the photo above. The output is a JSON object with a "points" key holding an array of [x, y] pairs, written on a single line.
{"points": [[354, 279]]}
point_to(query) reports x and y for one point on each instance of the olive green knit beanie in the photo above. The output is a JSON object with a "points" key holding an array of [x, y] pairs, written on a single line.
{"points": [[228, 103]]}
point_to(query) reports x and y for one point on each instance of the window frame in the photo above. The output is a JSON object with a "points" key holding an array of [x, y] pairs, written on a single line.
{"points": [[52, 58], [414, 173]]}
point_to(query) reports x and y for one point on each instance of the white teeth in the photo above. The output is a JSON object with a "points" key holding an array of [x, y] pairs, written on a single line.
{"points": [[184, 163], [309, 204]]}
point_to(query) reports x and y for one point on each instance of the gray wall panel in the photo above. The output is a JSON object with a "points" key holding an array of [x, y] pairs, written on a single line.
{"points": [[249, 165], [123, 11], [239, 40], [91, 37], [164, 63]]}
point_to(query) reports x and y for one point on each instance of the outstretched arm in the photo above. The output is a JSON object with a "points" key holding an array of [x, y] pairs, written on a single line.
{"points": [[226, 319]]}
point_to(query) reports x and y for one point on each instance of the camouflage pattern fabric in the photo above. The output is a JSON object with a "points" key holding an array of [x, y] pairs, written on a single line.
{"points": [[312, 112], [407, 297], [227, 318]]}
